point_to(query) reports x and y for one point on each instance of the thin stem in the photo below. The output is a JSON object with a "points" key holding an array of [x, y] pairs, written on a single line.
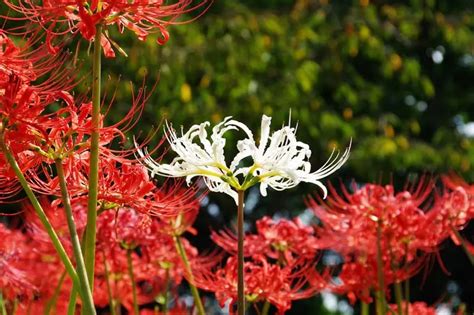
{"points": [[2, 304], [71, 307], [407, 296], [187, 266], [39, 212], [381, 309], [364, 308], [90, 234], [398, 297], [265, 308], [464, 245], [132, 279], [406, 283], [15, 306], [240, 255], [54, 299], [109, 288], [76, 243], [165, 302]]}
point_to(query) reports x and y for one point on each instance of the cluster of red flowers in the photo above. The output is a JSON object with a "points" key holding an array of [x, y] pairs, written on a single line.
{"points": [[279, 268], [41, 124], [384, 236], [33, 278], [143, 17]]}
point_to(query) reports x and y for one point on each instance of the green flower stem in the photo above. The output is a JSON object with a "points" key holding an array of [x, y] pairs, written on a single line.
{"points": [[265, 308], [407, 296], [71, 307], [109, 288], [88, 302], [364, 308], [187, 266], [132, 280], [380, 294], [168, 282], [90, 234], [40, 212], [240, 255], [464, 245], [398, 297], [54, 299], [2, 304]]}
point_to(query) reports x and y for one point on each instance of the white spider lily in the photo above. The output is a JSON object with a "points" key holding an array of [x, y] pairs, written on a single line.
{"points": [[204, 159], [281, 161]]}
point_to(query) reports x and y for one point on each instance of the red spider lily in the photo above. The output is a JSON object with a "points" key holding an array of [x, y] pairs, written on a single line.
{"points": [[357, 278], [283, 240], [30, 272], [143, 17], [418, 308], [121, 182], [13, 281], [350, 221], [118, 279], [353, 224], [56, 216], [22, 103], [120, 185], [264, 281], [156, 263], [457, 185], [177, 225], [453, 181], [451, 212], [127, 228]]}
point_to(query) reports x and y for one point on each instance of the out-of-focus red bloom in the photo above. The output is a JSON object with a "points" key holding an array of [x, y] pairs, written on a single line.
{"points": [[350, 221], [451, 211], [264, 281], [14, 282], [182, 222], [143, 17], [357, 278], [30, 272], [416, 308], [284, 240], [156, 263], [354, 223]]}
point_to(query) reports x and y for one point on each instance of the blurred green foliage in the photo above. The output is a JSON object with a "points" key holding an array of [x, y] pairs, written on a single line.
{"points": [[395, 76]]}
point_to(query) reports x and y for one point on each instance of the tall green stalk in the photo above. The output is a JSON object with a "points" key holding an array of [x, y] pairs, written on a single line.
{"points": [[90, 234], [265, 308], [187, 266], [364, 308], [3, 307], [54, 299], [39, 212], [398, 297], [381, 304], [240, 255], [109, 288], [71, 307], [76, 243], [407, 296], [132, 279], [166, 297]]}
